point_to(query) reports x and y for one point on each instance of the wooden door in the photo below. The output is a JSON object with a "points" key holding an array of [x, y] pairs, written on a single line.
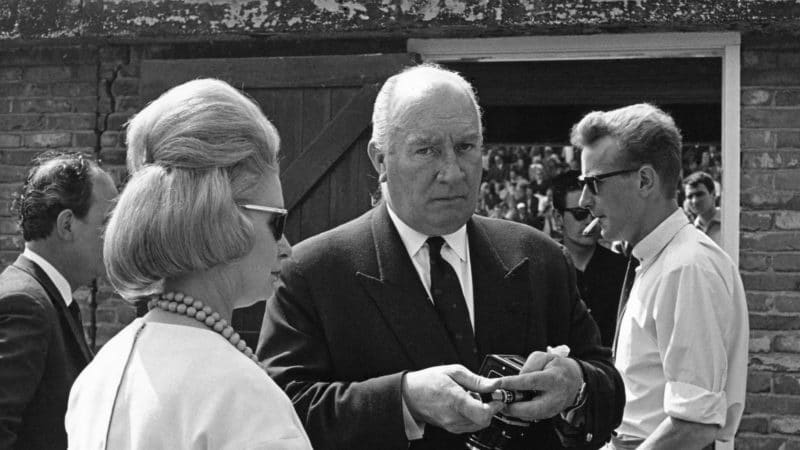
{"points": [[322, 108]]}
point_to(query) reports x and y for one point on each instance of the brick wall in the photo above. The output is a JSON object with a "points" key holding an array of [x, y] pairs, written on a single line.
{"points": [[770, 240]]}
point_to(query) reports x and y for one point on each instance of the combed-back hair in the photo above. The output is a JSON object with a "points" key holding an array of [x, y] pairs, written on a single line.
{"points": [[412, 79], [194, 154], [563, 184], [698, 178], [57, 180], [645, 134]]}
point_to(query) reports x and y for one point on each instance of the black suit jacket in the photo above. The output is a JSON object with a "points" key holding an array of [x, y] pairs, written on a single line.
{"points": [[42, 351], [351, 316]]}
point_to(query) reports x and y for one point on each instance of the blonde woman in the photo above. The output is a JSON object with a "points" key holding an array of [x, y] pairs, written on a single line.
{"points": [[196, 233]]}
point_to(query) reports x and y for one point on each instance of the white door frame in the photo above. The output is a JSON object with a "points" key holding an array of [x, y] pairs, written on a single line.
{"points": [[725, 45]]}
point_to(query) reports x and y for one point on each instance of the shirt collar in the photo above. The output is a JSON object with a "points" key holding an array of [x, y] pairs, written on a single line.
{"points": [[652, 244], [717, 217], [55, 276], [413, 240]]}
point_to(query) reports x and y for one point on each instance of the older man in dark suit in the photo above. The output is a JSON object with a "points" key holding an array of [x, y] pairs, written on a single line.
{"points": [[380, 324], [62, 207]]}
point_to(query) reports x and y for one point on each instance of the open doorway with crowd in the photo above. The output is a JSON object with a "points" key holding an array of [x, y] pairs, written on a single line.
{"points": [[530, 107]]}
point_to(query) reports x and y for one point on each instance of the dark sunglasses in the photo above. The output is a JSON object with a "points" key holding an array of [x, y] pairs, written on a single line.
{"points": [[578, 213], [592, 182], [277, 218]]}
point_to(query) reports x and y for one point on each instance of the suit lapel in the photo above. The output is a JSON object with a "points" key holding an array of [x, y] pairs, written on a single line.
{"points": [[59, 304], [502, 296], [399, 294]]}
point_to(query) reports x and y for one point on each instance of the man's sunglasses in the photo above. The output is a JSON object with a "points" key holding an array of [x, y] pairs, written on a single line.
{"points": [[277, 218], [593, 181], [578, 213]]}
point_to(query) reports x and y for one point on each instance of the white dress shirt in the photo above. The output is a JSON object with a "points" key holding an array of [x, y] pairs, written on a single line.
{"points": [[455, 251], [683, 342], [55, 276]]}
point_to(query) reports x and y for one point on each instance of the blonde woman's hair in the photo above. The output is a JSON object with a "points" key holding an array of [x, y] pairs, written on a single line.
{"points": [[194, 154]]}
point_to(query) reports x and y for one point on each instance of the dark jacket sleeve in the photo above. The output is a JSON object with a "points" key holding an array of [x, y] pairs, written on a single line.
{"points": [[605, 401], [336, 414], [24, 336]]}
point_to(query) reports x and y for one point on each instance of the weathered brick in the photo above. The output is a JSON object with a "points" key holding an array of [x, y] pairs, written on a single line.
{"points": [[759, 442], [770, 199], [753, 424], [785, 425], [9, 227], [11, 243], [83, 104], [10, 73], [11, 122], [786, 262], [770, 241], [8, 190], [84, 139], [128, 103], [771, 404], [759, 301], [109, 139], [47, 55], [757, 180], [771, 77], [116, 121], [754, 261], [787, 180], [10, 140], [11, 174], [8, 257], [770, 160], [18, 157], [755, 221], [759, 382], [125, 86], [73, 89], [785, 384], [71, 121], [770, 118], [106, 315], [760, 342], [787, 302], [757, 139], [774, 322], [47, 73], [113, 156], [776, 362], [789, 343], [756, 97], [759, 59], [788, 59], [788, 139], [787, 98], [43, 105], [24, 90], [59, 139], [86, 73]]}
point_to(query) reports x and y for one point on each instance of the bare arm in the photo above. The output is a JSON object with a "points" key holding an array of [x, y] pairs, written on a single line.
{"points": [[676, 433]]}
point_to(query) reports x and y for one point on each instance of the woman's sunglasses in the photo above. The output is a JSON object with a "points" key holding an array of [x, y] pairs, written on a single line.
{"points": [[277, 218], [578, 213]]}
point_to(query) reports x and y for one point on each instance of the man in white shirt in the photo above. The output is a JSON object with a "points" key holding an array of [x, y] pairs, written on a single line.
{"points": [[62, 208], [379, 325], [682, 339]]}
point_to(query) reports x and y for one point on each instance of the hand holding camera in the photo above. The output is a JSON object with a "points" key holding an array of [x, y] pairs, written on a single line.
{"points": [[556, 378], [438, 396]]}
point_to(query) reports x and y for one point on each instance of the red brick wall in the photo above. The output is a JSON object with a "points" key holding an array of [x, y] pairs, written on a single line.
{"points": [[770, 240]]}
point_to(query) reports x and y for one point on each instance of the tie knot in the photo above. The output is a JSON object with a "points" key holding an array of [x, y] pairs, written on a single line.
{"points": [[435, 244]]}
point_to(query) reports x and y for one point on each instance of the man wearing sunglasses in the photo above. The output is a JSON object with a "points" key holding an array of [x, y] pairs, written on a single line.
{"points": [[600, 271], [682, 339]]}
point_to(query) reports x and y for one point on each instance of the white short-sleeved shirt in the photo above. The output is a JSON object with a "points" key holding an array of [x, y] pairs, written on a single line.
{"points": [[683, 342], [156, 385]]}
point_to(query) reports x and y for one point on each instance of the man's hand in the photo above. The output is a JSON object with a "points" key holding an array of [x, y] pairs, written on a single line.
{"points": [[557, 379], [438, 396]]}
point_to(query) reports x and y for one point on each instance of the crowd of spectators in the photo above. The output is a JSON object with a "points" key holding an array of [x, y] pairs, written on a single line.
{"points": [[517, 179]]}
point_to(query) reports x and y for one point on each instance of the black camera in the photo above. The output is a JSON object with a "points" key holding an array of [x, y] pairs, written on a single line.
{"points": [[503, 429]]}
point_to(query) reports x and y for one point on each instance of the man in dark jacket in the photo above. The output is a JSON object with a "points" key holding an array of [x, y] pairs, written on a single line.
{"points": [[379, 325]]}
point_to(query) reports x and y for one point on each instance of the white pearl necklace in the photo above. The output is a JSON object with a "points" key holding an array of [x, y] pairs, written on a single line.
{"points": [[179, 303]]}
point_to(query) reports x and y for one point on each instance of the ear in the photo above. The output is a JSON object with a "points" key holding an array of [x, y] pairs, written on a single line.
{"points": [[64, 225], [558, 220], [648, 180], [378, 158]]}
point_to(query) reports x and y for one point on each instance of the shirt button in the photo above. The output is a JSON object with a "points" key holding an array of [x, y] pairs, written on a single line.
{"points": [[589, 437]]}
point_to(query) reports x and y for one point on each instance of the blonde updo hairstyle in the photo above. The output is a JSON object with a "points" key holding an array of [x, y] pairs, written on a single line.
{"points": [[194, 154]]}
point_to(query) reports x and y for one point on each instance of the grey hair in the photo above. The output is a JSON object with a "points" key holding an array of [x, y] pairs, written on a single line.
{"points": [[645, 134], [194, 154], [416, 78]]}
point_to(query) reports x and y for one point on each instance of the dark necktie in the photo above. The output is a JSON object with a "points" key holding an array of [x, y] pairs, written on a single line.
{"points": [[630, 276], [448, 299], [75, 310]]}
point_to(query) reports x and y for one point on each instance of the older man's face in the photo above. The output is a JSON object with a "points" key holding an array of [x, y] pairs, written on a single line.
{"points": [[433, 164]]}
